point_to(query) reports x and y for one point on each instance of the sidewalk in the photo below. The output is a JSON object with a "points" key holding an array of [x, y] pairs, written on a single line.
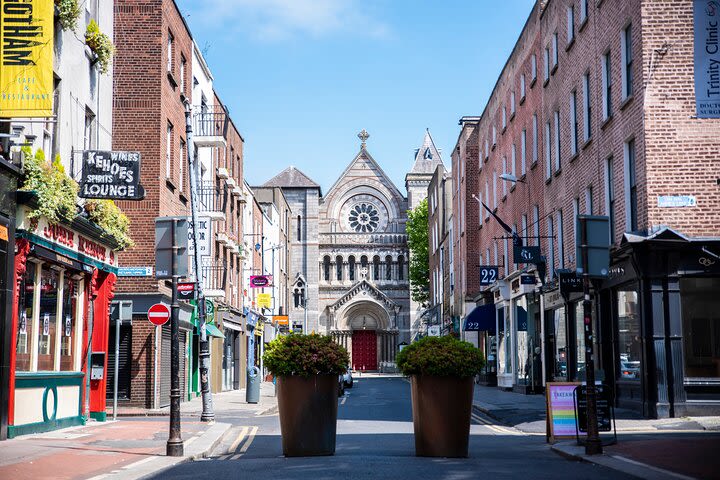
{"points": [[646, 448], [129, 448]]}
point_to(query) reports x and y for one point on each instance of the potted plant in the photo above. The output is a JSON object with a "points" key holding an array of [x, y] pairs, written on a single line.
{"points": [[442, 371], [68, 12], [307, 368], [100, 44]]}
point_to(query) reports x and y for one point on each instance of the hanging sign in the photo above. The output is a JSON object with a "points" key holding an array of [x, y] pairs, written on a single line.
{"points": [[111, 175], [264, 300], [526, 254], [26, 56], [261, 281], [488, 275], [707, 58], [186, 290]]}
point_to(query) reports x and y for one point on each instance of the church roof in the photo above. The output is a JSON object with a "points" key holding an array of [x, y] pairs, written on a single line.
{"points": [[427, 157], [291, 177]]}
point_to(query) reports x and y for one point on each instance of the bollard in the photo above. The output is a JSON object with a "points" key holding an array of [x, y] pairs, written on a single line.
{"points": [[252, 392]]}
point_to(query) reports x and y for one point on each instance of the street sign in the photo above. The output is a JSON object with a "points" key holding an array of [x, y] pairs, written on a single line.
{"points": [[111, 175], [527, 280], [488, 274], [159, 314], [526, 254], [186, 290], [135, 271]]}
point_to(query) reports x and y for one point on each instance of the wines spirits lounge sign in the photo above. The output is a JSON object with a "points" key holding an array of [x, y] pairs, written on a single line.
{"points": [[111, 175]]}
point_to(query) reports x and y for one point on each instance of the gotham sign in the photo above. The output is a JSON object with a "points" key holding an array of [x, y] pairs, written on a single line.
{"points": [[111, 175]]}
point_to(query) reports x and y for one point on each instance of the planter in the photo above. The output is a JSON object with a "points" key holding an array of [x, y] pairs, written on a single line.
{"points": [[308, 414], [441, 415]]}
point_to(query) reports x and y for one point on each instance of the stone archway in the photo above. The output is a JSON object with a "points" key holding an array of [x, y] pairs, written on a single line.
{"points": [[365, 329]]}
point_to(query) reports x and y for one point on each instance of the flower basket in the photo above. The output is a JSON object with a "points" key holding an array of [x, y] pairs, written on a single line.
{"points": [[307, 369], [441, 371]]}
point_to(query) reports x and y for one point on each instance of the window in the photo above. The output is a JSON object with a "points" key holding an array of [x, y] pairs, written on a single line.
{"points": [[607, 86], [551, 246], [512, 104], [388, 267], [576, 213], [629, 333], [495, 254], [90, 135], [570, 24], [170, 42], [555, 50], [522, 88], [504, 170], [512, 160], [181, 162], [168, 151], [533, 69], [557, 140], [376, 267], [524, 227], [299, 228], [69, 307], [351, 268], [626, 59], [610, 197], [546, 76], [535, 138], [487, 149], [548, 151], [504, 118], [561, 240], [47, 325], [25, 318], [495, 178], [505, 257], [183, 63], [583, 11], [573, 122], [326, 268], [700, 313], [589, 200], [494, 137], [523, 148], [631, 187], [536, 224], [587, 108], [401, 268], [339, 268], [487, 199]]}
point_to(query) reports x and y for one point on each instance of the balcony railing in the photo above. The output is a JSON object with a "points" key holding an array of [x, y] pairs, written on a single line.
{"points": [[213, 200], [363, 238], [214, 279], [210, 126]]}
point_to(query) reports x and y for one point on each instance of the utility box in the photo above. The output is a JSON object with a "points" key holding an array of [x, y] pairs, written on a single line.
{"points": [[97, 365]]}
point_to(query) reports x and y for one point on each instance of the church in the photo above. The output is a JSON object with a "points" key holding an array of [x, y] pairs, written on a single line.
{"points": [[349, 254]]}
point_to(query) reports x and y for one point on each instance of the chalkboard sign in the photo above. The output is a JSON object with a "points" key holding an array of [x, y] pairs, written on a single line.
{"points": [[604, 404], [560, 405], [111, 175]]}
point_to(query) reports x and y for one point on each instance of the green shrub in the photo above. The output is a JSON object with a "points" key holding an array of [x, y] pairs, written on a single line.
{"points": [[57, 193], [110, 218], [305, 355], [68, 13], [442, 357], [100, 44]]}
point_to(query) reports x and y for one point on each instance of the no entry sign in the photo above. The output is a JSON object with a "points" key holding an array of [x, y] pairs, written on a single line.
{"points": [[159, 314]]}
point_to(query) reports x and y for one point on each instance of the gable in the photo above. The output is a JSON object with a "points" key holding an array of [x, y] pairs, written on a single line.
{"points": [[363, 286], [364, 167]]}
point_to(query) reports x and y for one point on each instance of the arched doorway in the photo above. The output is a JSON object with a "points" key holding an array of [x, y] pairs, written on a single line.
{"points": [[364, 328]]}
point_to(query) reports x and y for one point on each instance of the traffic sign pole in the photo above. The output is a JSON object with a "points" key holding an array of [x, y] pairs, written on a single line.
{"points": [[174, 442]]}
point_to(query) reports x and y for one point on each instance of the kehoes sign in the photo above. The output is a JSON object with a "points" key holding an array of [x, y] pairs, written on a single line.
{"points": [[111, 175]]}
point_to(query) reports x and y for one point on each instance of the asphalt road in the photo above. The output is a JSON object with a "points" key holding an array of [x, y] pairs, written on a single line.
{"points": [[375, 440]]}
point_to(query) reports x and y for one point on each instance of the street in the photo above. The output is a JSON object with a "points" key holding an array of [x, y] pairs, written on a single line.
{"points": [[375, 440]]}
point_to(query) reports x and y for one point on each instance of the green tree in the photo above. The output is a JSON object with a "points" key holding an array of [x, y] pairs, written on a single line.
{"points": [[417, 230]]}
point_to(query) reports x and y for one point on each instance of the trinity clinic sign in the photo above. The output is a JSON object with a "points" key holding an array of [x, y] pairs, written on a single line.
{"points": [[707, 58], [111, 175]]}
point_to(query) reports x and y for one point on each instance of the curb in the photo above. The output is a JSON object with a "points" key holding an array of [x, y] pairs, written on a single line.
{"points": [[615, 462]]}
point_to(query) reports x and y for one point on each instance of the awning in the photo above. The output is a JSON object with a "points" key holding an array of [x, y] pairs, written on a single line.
{"points": [[213, 331], [482, 319]]}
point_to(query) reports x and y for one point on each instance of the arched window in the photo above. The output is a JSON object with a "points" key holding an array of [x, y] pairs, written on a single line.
{"points": [[326, 268], [401, 267], [338, 267], [376, 268], [388, 268], [363, 261], [299, 228], [351, 269]]}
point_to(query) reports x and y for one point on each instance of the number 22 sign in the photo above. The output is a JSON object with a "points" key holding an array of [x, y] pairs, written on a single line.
{"points": [[488, 275]]}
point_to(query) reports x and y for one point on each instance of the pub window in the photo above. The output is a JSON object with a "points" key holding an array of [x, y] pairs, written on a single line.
{"points": [[67, 327], [629, 333], [47, 325], [25, 316]]}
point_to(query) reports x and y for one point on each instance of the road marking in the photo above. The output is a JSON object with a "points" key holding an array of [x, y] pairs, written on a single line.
{"points": [[342, 402], [246, 445], [191, 440], [239, 439]]}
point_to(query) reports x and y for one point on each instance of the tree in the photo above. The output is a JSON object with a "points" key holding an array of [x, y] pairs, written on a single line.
{"points": [[417, 230]]}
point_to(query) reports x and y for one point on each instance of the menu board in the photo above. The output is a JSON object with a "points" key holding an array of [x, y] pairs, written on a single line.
{"points": [[560, 405]]}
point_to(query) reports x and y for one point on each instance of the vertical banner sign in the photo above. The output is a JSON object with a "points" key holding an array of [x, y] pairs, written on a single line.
{"points": [[707, 58], [26, 58]]}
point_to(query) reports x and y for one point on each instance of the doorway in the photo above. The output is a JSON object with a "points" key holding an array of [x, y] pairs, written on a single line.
{"points": [[364, 350]]}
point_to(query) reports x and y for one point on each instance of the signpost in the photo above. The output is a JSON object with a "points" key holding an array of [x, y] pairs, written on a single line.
{"points": [[159, 314], [111, 175]]}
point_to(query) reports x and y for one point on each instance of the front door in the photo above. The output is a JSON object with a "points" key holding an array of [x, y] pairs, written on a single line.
{"points": [[364, 350]]}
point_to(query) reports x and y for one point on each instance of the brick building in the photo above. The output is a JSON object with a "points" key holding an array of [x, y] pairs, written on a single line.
{"points": [[594, 113], [441, 252]]}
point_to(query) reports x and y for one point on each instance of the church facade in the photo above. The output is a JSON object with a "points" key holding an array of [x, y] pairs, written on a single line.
{"points": [[350, 255]]}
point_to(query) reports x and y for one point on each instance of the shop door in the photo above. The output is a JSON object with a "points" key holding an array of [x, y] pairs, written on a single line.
{"points": [[124, 364], [364, 350], [164, 373]]}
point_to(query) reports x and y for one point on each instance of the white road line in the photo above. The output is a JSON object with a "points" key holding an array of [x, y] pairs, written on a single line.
{"points": [[342, 402]]}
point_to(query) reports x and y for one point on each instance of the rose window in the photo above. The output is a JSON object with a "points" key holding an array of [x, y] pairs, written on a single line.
{"points": [[364, 217]]}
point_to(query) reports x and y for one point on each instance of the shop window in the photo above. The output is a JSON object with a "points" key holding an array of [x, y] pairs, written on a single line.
{"points": [[47, 326], [701, 326], [629, 333], [70, 300], [559, 344], [25, 315], [579, 339]]}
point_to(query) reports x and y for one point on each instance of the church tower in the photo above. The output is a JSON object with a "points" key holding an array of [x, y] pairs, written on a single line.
{"points": [[427, 158]]}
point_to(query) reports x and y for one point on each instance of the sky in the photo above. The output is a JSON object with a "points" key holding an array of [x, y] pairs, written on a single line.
{"points": [[302, 77]]}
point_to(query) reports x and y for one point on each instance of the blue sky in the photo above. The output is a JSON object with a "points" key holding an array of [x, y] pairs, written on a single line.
{"points": [[303, 77]]}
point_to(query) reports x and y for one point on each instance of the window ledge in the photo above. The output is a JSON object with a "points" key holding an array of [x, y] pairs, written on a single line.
{"points": [[504, 197], [628, 100], [586, 143], [523, 176], [574, 156], [605, 122], [512, 187], [557, 172], [532, 82], [548, 180], [533, 165], [522, 99], [493, 146], [582, 24], [172, 80], [183, 198], [553, 69], [169, 183], [502, 132], [570, 44], [546, 81]]}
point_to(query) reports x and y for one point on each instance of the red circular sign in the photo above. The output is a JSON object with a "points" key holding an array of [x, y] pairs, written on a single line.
{"points": [[159, 314]]}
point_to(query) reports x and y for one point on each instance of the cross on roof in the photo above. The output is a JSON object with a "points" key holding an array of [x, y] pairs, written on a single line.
{"points": [[363, 136]]}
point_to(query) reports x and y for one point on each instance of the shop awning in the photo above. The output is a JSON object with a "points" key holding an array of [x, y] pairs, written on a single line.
{"points": [[482, 319], [213, 331]]}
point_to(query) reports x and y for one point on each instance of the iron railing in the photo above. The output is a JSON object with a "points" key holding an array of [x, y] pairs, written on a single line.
{"points": [[214, 276], [213, 198], [210, 121]]}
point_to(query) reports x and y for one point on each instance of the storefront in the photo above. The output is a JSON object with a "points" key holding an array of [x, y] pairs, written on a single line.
{"points": [[662, 352], [233, 358], [64, 281]]}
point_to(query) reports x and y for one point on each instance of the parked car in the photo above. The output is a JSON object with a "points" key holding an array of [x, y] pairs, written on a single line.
{"points": [[348, 378], [341, 385], [630, 369]]}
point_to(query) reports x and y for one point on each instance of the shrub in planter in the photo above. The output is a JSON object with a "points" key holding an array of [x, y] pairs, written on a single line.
{"points": [[57, 193], [307, 369], [110, 218], [68, 12], [100, 44], [442, 371]]}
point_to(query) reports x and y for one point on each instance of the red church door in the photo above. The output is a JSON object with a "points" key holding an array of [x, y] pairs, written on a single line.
{"points": [[364, 350]]}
